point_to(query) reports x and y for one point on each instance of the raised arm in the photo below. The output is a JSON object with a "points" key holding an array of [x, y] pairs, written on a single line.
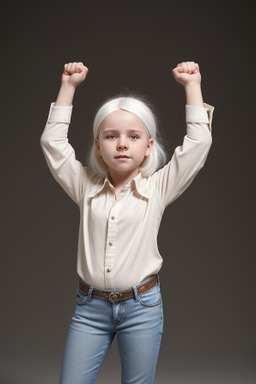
{"points": [[59, 154], [189, 158]]}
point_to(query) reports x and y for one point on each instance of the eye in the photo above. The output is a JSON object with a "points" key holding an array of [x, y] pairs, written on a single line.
{"points": [[134, 137], [111, 137]]}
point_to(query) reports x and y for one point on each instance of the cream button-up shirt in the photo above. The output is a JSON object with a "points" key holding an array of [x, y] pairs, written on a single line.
{"points": [[117, 243]]}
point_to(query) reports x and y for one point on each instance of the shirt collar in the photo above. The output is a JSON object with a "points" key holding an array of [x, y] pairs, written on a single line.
{"points": [[98, 187], [142, 186], [139, 182]]}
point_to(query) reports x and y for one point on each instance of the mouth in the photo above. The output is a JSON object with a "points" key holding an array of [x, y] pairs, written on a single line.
{"points": [[122, 157]]}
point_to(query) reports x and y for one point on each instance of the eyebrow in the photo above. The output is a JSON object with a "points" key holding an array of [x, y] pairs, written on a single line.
{"points": [[135, 130]]}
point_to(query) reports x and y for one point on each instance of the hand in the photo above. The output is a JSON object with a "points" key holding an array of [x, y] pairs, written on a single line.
{"points": [[187, 72], [74, 74]]}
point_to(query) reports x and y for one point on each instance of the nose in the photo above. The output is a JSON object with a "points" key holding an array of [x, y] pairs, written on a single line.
{"points": [[122, 144]]}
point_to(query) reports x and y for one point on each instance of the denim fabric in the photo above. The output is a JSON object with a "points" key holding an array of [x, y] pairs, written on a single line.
{"points": [[138, 325]]}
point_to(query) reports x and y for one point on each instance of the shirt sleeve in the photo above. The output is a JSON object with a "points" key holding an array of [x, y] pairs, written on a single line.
{"points": [[187, 160], [60, 155]]}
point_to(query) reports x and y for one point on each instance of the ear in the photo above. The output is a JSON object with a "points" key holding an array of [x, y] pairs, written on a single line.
{"points": [[149, 147], [97, 146]]}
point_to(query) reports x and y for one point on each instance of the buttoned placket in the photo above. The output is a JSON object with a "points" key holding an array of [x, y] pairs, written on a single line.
{"points": [[111, 238]]}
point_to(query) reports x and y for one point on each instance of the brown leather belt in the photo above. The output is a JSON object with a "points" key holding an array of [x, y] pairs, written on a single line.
{"points": [[116, 295]]}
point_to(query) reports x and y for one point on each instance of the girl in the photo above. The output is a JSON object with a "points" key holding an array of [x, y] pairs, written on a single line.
{"points": [[122, 197]]}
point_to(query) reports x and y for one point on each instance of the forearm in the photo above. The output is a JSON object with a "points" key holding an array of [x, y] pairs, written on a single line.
{"points": [[66, 95], [193, 94]]}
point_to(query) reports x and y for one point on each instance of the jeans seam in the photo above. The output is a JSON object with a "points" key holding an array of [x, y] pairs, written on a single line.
{"points": [[115, 323], [100, 361]]}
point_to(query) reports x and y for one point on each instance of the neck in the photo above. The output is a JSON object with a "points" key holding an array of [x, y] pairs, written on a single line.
{"points": [[120, 179]]}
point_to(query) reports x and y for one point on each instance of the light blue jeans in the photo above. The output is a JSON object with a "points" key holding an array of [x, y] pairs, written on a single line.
{"points": [[138, 324]]}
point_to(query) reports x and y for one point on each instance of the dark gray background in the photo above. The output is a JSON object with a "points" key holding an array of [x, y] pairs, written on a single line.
{"points": [[207, 235]]}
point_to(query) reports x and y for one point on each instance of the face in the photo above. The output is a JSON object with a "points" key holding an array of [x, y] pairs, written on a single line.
{"points": [[123, 142]]}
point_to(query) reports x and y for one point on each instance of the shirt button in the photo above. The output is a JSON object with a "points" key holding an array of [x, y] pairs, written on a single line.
{"points": [[112, 217], [110, 244], [109, 270]]}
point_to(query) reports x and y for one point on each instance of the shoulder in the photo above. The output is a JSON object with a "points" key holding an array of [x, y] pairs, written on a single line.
{"points": [[93, 182]]}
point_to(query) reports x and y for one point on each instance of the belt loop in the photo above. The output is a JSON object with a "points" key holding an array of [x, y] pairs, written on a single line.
{"points": [[135, 292], [89, 296], [158, 280]]}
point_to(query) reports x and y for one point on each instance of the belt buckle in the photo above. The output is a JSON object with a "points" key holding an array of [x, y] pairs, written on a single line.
{"points": [[114, 296]]}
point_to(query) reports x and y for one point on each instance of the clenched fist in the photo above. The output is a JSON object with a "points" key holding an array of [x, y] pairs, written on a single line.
{"points": [[74, 73], [187, 72]]}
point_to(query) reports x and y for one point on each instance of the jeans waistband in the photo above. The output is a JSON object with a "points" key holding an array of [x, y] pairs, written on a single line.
{"points": [[119, 294]]}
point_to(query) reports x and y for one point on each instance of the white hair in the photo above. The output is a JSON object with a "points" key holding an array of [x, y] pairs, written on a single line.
{"points": [[138, 107]]}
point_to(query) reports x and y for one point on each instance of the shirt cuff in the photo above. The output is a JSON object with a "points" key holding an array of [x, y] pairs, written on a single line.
{"points": [[198, 114], [60, 114]]}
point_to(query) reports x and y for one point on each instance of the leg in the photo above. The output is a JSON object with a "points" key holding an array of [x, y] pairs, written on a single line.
{"points": [[139, 337], [89, 337]]}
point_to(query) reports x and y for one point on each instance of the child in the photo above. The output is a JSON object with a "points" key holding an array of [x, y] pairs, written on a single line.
{"points": [[122, 197]]}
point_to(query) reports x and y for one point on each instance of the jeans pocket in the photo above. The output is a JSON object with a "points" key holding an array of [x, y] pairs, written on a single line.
{"points": [[81, 298], [152, 297]]}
